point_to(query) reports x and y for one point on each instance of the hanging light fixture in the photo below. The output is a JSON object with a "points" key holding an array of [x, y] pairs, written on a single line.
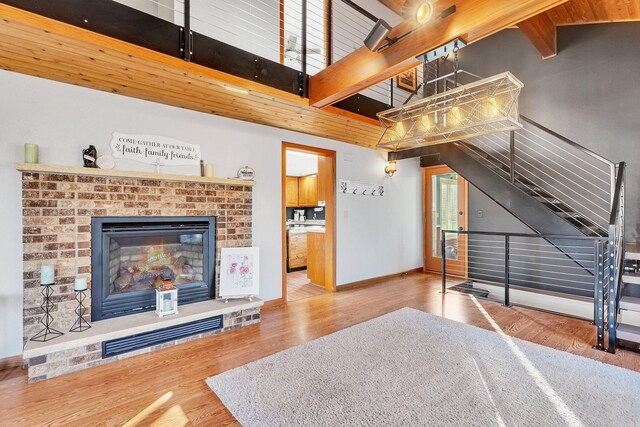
{"points": [[484, 106]]}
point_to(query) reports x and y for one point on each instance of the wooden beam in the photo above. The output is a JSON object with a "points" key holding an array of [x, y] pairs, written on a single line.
{"points": [[473, 20], [542, 33]]}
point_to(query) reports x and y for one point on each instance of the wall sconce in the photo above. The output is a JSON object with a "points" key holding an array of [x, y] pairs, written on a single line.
{"points": [[391, 168]]}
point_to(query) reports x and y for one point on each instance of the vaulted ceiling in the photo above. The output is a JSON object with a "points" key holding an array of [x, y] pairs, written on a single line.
{"points": [[541, 29], [39, 46]]}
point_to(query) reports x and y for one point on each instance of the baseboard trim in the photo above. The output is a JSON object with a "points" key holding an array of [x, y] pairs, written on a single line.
{"points": [[11, 362], [375, 280], [273, 303]]}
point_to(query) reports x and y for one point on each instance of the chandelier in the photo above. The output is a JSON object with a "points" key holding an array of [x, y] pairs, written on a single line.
{"points": [[484, 106]]}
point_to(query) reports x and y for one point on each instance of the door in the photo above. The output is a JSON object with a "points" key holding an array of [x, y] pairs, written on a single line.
{"points": [[445, 208]]}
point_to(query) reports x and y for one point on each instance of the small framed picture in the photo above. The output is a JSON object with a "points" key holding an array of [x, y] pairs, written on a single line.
{"points": [[408, 80], [239, 272]]}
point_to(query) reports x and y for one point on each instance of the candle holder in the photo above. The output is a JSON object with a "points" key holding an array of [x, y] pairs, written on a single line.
{"points": [[48, 333], [81, 323]]}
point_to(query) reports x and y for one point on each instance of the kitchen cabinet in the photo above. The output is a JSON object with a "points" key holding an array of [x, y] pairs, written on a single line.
{"points": [[291, 191], [296, 249], [308, 190]]}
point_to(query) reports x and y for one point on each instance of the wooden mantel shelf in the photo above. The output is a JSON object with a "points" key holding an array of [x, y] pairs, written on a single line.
{"points": [[70, 170]]}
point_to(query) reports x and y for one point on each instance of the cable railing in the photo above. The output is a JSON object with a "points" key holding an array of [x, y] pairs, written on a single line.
{"points": [[530, 262], [573, 181], [303, 35]]}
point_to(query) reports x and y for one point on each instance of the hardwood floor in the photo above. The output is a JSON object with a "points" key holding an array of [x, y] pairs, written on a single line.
{"points": [[167, 387], [300, 287]]}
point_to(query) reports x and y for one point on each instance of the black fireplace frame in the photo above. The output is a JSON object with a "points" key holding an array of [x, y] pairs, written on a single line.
{"points": [[105, 305]]}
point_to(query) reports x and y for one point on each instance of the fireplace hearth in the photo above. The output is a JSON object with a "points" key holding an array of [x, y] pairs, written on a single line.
{"points": [[133, 256]]}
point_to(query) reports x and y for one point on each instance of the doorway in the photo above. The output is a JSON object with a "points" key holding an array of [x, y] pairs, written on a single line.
{"points": [[308, 221], [445, 208]]}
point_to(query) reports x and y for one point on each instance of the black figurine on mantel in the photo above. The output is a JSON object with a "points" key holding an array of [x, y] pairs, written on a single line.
{"points": [[89, 156]]}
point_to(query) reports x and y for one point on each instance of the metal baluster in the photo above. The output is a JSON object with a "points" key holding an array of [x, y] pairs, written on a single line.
{"points": [[598, 297], [303, 53], [444, 263], [188, 48], [506, 271], [512, 157]]}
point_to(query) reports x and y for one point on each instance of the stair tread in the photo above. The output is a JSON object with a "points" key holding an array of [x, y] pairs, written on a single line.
{"points": [[631, 278], [628, 332], [632, 251], [630, 303]]}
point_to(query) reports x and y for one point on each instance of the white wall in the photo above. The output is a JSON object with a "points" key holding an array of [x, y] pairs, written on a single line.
{"points": [[301, 164], [375, 236]]}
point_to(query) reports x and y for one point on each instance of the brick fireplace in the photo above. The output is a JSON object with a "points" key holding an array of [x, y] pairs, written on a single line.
{"points": [[58, 209]]}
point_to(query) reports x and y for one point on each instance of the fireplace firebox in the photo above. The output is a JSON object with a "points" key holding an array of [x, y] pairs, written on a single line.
{"points": [[132, 256]]}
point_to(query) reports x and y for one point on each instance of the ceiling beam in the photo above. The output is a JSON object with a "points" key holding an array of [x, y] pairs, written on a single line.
{"points": [[542, 33], [473, 20]]}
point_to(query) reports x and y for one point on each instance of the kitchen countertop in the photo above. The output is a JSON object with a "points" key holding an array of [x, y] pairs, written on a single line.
{"points": [[312, 229], [307, 222]]}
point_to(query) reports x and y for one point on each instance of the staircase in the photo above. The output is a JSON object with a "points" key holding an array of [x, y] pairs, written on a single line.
{"points": [[572, 198], [629, 308]]}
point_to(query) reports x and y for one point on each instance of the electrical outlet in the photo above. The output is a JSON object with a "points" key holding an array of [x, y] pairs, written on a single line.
{"points": [[480, 213], [345, 214]]}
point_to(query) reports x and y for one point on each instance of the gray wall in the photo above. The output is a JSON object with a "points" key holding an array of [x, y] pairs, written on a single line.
{"points": [[589, 93]]}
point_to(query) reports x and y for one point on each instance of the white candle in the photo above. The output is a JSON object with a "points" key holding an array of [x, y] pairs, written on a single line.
{"points": [[167, 305], [81, 284], [31, 153], [208, 170], [47, 275]]}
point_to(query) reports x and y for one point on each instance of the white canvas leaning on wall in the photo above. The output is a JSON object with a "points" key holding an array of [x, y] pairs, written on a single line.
{"points": [[239, 272]]}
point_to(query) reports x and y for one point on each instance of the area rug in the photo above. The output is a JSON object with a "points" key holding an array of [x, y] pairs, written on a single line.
{"points": [[411, 368]]}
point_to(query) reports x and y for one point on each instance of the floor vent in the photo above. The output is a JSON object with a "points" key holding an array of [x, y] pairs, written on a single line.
{"points": [[148, 339]]}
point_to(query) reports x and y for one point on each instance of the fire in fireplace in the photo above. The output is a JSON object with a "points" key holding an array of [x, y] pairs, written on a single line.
{"points": [[131, 257]]}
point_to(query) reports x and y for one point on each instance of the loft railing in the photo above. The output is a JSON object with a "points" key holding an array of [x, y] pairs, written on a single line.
{"points": [[530, 262], [278, 43]]}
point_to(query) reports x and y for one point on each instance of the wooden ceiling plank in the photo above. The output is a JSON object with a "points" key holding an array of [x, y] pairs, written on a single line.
{"points": [[155, 77], [351, 118], [473, 20], [10, 15], [152, 81], [542, 33], [251, 113], [576, 12]]}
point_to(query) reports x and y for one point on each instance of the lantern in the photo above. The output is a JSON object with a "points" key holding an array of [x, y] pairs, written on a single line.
{"points": [[166, 302]]}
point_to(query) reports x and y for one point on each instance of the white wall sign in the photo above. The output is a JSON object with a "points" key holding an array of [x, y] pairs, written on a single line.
{"points": [[156, 150], [360, 188]]}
